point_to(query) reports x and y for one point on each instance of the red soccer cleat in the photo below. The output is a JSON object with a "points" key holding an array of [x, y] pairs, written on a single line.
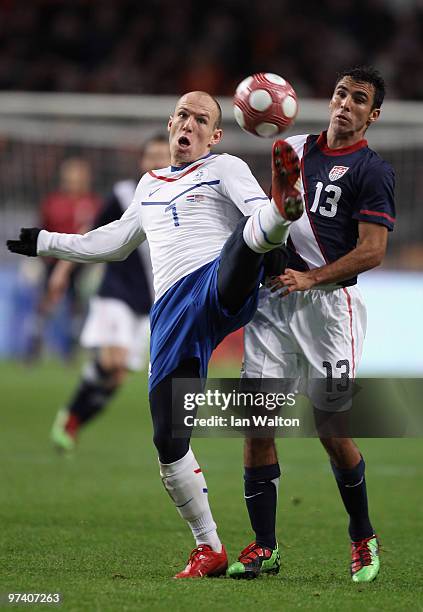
{"points": [[204, 561], [285, 181]]}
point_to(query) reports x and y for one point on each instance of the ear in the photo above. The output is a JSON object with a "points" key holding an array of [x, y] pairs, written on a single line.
{"points": [[169, 123], [374, 116], [216, 137]]}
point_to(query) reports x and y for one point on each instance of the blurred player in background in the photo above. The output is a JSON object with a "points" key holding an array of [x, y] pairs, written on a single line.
{"points": [[71, 209], [316, 329], [207, 262], [117, 327]]}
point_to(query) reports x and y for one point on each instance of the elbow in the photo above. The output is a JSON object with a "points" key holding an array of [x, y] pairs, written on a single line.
{"points": [[375, 258], [119, 255]]}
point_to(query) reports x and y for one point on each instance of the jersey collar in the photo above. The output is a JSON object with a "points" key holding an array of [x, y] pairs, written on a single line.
{"points": [[322, 143], [188, 169], [177, 168]]}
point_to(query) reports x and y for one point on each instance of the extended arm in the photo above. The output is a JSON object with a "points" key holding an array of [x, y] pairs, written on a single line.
{"points": [[368, 254], [112, 242]]}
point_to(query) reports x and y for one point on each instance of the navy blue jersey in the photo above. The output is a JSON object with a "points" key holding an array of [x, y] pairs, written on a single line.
{"points": [[341, 188], [129, 280]]}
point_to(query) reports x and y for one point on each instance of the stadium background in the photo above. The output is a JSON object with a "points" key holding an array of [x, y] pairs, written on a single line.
{"points": [[95, 79]]}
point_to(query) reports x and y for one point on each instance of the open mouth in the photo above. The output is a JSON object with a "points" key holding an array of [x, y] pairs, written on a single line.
{"points": [[343, 118], [183, 141]]}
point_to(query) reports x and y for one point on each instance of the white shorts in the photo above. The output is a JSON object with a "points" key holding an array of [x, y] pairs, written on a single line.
{"points": [[305, 336], [111, 322]]}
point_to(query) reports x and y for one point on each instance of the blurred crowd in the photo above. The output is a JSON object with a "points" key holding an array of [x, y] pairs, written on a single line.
{"points": [[164, 47]]}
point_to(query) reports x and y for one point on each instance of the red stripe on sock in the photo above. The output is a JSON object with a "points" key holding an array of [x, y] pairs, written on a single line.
{"points": [[72, 424]]}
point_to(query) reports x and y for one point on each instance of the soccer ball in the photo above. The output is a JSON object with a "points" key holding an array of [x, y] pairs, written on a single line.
{"points": [[265, 104]]}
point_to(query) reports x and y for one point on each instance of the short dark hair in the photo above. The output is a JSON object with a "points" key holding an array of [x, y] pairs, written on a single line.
{"points": [[366, 74]]}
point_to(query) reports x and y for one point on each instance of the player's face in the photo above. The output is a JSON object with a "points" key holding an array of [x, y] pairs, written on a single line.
{"points": [[351, 110], [156, 155], [192, 130], [75, 176]]}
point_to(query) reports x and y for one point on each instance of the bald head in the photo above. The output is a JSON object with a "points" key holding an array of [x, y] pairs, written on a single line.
{"points": [[194, 127], [212, 99]]}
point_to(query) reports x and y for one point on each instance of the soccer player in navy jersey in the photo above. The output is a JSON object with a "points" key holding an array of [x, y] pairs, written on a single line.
{"points": [[116, 330], [69, 208], [209, 226], [314, 327]]}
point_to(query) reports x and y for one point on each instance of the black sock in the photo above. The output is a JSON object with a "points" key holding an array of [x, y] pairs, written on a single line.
{"points": [[261, 496], [240, 270], [352, 487], [92, 395]]}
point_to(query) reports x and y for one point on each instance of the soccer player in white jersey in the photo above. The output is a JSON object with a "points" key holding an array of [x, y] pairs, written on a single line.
{"points": [[116, 331], [315, 328], [209, 225]]}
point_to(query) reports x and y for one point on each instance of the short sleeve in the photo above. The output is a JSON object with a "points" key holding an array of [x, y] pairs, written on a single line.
{"points": [[375, 201]]}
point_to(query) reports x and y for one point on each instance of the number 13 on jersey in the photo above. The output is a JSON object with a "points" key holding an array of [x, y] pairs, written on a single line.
{"points": [[331, 197]]}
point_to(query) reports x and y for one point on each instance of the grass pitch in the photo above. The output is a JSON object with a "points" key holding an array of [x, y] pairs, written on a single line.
{"points": [[99, 528]]}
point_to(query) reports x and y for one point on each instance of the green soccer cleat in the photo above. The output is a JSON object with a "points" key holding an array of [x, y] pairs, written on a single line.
{"points": [[62, 439], [255, 560], [365, 559]]}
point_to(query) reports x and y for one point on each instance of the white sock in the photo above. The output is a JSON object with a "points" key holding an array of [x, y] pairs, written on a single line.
{"points": [[266, 229], [186, 485]]}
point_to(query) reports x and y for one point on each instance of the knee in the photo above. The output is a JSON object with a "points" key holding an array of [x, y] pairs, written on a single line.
{"points": [[341, 451], [259, 452], [169, 449], [117, 376], [104, 378], [113, 357], [114, 377], [162, 439], [113, 364]]}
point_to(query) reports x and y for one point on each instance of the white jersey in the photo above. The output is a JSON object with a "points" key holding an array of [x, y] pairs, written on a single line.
{"points": [[124, 192], [186, 214]]}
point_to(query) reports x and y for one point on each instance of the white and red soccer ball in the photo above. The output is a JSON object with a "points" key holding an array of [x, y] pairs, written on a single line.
{"points": [[265, 104]]}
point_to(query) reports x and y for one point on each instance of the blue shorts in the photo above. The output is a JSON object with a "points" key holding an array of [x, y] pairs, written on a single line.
{"points": [[189, 321]]}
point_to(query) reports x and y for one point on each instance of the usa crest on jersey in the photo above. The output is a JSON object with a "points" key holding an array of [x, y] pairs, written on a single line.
{"points": [[337, 171]]}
